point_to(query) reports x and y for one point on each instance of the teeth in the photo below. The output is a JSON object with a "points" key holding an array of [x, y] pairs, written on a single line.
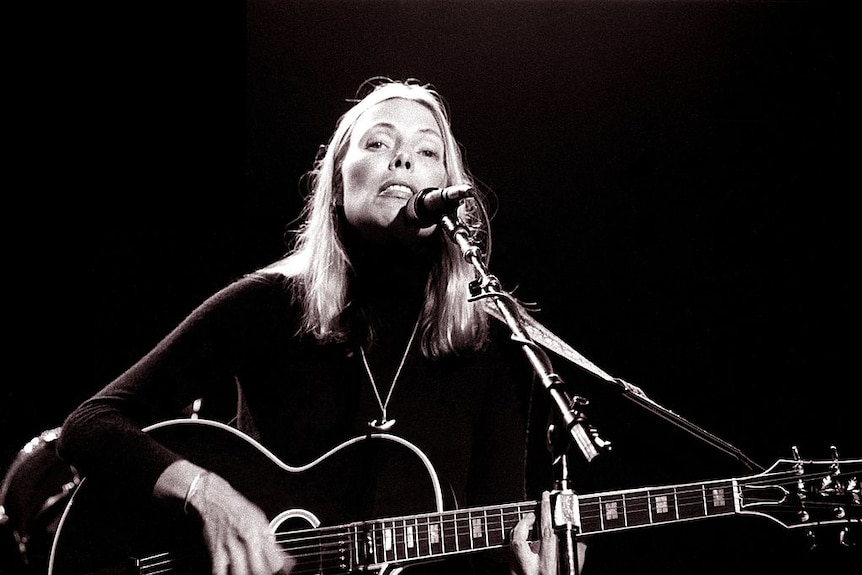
{"points": [[399, 188]]}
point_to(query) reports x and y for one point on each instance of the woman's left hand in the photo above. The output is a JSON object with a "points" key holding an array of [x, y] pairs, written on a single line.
{"points": [[538, 557]]}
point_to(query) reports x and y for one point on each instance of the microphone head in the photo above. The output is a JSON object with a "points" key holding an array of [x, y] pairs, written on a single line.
{"points": [[410, 210], [427, 207]]}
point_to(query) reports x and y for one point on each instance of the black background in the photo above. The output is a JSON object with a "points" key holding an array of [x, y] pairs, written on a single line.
{"points": [[673, 184]]}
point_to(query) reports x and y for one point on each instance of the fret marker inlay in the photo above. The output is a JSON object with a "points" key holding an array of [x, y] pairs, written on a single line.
{"points": [[718, 497], [661, 504], [477, 528], [611, 510]]}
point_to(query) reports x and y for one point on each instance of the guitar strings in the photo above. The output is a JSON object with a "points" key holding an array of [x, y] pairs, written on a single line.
{"points": [[687, 497], [334, 546], [402, 547]]}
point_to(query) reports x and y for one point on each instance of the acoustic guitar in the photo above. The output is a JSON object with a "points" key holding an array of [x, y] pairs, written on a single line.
{"points": [[103, 531]]}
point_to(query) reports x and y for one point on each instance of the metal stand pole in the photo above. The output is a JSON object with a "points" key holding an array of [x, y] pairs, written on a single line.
{"points": [[568, 408]]}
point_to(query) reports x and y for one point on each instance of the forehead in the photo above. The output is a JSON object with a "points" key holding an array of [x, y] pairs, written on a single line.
{"points": [[405, 115]]}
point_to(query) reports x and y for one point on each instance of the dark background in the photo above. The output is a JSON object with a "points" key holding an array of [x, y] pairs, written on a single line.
{"points": [[673, 184]]}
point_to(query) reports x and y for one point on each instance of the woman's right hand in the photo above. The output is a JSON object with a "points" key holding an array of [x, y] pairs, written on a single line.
{"points": [[235, 530]]}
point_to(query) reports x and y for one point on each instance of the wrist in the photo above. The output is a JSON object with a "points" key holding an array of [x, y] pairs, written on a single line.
{"points": [[176, 482]]}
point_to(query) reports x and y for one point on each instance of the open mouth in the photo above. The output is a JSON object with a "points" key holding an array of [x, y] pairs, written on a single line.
{"points": [[400, 191]]}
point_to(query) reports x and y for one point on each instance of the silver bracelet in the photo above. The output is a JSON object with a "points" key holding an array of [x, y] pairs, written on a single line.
{"points": [[192, 487]]}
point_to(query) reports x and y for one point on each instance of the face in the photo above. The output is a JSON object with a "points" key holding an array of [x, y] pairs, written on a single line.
{"points": [[395, 151]]}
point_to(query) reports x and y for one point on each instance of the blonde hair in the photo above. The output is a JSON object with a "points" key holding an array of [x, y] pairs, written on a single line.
{"points": [[318, 265]]}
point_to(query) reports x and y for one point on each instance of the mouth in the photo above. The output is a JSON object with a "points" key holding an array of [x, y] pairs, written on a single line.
{"points": [[400, 191]]}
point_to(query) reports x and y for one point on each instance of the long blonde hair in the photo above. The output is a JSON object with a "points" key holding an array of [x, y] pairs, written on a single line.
{"points": [[318, 265]]}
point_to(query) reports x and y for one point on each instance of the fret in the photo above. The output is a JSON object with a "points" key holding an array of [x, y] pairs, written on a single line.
{"points": [[387, 545], [388, 541], [402, 538], [649, 509], [423, 542], [592, 520], [397, 539], [663, 507], [450, 533], [477, 530], [372, 541], [637, 509], [611, 510], [416, 538], [403, 533], [625, 510], [690, 502], [718, 497], [463, 539], [436, 539], [507, 522], [485, 526], [357, 551]]}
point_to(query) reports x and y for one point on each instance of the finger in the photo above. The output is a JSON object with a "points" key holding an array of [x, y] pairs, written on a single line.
{"points": [[548, 547], [521, 530], [276, 560], [259, 553], [239, 558], [220, 562], [545, 523]]}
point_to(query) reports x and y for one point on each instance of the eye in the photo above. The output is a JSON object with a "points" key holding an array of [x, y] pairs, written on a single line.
{"points": [[374, 145], [430, 154]]}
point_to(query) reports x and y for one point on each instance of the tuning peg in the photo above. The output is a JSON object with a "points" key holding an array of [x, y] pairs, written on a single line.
{"points": [[602, 444], [844, 538], [798, 467], [834, 469], [578, 401]]}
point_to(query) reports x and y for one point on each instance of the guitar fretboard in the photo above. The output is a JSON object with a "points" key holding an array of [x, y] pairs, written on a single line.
{"points": [[422, 537]]}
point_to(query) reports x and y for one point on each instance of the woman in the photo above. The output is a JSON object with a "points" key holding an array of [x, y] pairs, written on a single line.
{"points": [[365, 327]]}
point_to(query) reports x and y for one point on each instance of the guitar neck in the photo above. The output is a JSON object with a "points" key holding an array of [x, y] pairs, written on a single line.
{"points": [[428, 536]]}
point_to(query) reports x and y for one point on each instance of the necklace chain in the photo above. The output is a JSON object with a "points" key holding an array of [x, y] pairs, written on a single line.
{"points": [[384, 423]]}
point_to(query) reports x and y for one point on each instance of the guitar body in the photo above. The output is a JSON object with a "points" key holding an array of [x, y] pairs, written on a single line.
{"points": [[105, 531]]}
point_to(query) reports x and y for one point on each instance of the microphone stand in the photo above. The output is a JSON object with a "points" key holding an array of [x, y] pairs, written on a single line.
{"points": [[578, 432]]}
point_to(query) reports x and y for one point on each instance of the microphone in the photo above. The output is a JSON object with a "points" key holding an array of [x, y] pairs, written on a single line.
{"points": [[425, 208]]}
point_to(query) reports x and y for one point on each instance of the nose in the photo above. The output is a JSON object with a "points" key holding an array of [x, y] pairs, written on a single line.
{"points": [[401, 160]]}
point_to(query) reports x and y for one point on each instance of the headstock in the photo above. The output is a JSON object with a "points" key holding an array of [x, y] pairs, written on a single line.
{"points": [[806, 493]]}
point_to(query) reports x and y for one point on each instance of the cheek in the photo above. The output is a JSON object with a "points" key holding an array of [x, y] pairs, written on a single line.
{"points": [[356, 173]]}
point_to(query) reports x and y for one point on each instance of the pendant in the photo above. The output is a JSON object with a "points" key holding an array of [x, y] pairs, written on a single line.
{"points": [[384, 425]]}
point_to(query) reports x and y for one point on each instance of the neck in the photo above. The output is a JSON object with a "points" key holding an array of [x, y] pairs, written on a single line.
{"points": [[388, 286]]}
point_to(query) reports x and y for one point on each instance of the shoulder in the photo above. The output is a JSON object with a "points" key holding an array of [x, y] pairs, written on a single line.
{"points": [[251, 295], [255, 285]]}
